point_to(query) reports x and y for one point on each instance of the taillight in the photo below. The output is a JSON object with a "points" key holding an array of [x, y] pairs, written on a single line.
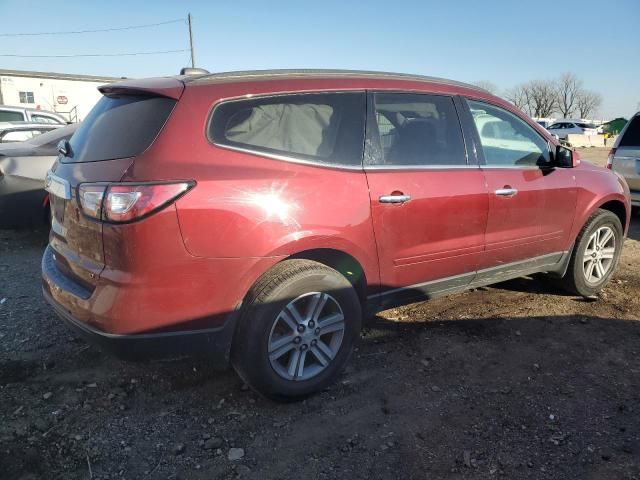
{"points": [[612, 153], [127, 202]]}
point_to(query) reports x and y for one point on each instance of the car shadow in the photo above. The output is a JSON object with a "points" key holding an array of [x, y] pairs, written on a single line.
{"points": [[634, 227]]}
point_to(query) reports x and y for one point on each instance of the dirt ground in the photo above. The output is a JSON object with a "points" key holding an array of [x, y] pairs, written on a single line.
{"points": [[514, 381]]}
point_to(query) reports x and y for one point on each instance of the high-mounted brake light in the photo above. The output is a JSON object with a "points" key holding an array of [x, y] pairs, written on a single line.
{"points": [[127, 202], [612, 153]]}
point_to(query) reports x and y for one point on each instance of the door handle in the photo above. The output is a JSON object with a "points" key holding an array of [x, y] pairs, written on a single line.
{"points": [[394, 198], [506, 192]]}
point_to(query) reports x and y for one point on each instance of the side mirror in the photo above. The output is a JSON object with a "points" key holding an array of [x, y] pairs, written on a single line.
{"points": [[563, 157]]}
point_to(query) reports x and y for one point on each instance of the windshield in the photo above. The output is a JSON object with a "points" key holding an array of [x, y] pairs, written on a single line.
{"points": [[119, 127]]}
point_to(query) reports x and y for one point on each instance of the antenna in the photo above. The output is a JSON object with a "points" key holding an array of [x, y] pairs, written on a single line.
{"points": [[193, 58]]}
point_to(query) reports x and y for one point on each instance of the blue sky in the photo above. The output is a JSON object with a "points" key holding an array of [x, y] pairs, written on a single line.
{"points": [[505, 42]]}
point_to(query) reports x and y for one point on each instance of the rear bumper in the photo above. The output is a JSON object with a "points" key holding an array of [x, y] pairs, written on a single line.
{"points": [[213, 342], [58, 290]]}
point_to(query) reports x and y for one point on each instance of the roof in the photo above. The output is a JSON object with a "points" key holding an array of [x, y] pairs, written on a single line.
{"points": [[258, 75], [57, 76]]}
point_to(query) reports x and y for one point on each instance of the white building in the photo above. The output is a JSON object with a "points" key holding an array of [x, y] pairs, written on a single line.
{"points": [[70, 95]]}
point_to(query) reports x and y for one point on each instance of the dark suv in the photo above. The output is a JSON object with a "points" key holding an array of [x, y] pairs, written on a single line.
{"points": [[259, 216]]}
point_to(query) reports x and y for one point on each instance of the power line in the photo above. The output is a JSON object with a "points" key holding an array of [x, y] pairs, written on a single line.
{"points": [[74, 32], [95, 54]]}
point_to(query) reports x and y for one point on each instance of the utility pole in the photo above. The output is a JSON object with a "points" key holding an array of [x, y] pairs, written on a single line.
{"points": [[193, 58]]}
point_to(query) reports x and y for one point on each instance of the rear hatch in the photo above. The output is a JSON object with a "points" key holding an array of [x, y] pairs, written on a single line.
{"points": [[626, 154], [122, 125]]}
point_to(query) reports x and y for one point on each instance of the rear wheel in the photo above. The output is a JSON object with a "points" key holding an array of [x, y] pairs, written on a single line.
{"points": [[595, 255], [297, 330]]}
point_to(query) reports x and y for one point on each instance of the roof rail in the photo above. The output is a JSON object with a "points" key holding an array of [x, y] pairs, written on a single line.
{"points": [[193, 71]]}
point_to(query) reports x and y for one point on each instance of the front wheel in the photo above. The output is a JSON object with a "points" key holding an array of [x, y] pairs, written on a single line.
{"points": [[297, 330], [595, 255]]}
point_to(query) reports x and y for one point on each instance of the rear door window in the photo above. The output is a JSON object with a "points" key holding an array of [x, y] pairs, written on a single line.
{"points": [[323, 127], [410, 129], [119, 126], [631, 137]]}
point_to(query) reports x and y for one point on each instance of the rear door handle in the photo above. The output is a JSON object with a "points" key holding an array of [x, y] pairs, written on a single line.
{"points": [[506, 192], [394, 198]]}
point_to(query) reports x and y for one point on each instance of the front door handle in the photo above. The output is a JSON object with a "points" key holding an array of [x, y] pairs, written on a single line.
{"points": [[506, 192], [394, 198]]}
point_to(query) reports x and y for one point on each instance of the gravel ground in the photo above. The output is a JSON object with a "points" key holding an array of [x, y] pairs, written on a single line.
{"points": [[514, 381]]}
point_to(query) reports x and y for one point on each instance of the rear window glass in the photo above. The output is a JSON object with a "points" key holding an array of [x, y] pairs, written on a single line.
{"points": [[415, 130], [327, 127], [119, 127], [9, 116], [631, 137], [586, 125]]}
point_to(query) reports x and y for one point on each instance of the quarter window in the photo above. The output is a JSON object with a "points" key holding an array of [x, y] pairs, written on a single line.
{"points": [[26, 97], [323, 127], [415, 130], [506, 139]]}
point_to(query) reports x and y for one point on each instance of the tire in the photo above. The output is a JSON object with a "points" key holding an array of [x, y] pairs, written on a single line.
{"points": [[266, 327], [576, 280]]}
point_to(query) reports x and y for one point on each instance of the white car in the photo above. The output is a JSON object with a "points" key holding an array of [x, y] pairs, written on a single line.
{"points": [[20, 131], [565, 127], [33, 115]]}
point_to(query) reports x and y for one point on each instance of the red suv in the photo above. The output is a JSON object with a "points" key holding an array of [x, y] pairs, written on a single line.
{"points": [[259, 216]]}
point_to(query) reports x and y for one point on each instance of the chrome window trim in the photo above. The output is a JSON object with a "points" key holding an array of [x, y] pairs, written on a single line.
{"points": [[289, 159], [421, 167], [510, 167], [277, 156]]}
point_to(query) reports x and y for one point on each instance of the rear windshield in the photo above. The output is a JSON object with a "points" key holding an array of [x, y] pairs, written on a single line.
{"points": [[119, 127], [586, 125], [631, 136]]}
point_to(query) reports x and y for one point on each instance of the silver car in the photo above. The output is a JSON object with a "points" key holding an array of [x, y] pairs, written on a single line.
{"points": [[624, 157]]}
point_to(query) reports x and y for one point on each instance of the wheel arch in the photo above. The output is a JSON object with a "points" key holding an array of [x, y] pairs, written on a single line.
{"points": [[344, 263], [619, 209]]}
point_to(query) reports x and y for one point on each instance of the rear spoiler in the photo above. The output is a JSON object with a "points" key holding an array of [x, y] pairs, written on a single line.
{"points": [[160, 86]]}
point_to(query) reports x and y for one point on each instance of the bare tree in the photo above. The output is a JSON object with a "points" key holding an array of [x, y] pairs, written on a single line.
{"points": [[568, 90], [588, 103], [519, 96], [543, 99], [487, 85]]}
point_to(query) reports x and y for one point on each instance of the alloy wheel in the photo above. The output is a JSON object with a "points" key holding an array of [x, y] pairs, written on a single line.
{"points": [[306, 336], [599, 254]]}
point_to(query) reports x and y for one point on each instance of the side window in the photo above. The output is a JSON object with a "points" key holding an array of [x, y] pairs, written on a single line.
{"points": [[506, 139], [11, 116], [323, 127], [44, 119], [631, 137], [414, 129]]}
